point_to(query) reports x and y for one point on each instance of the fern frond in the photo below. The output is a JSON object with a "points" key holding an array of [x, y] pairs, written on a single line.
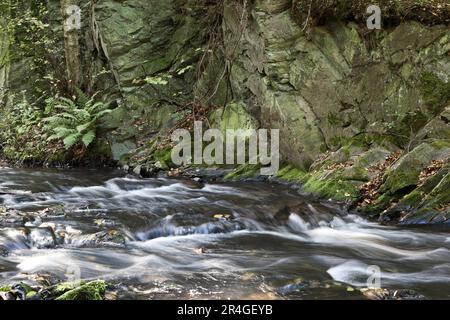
{"points": [[70, 140], [82, 98], [76, 121], [99, 106], [101, 114], [84, 127], [88, 138], [62, 132], [65, 104], [57, 121]]}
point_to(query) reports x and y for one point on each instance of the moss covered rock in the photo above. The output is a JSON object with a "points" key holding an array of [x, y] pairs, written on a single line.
{"points": [[336, 187], [94, 290], [405, 173]]}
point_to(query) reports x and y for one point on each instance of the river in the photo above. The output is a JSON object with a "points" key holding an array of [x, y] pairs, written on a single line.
{"points": [[163, 238]]}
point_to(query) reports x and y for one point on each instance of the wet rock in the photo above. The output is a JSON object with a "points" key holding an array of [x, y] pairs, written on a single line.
{"points": [[54, 211], [194, 184], [20, 291], [14, 218], [137, 170], [200, 251], [406, 172], [111, 296], [36, 221], [44, 280], [13, 239], [33, 295], [119, 149], [7, 296], [64, 287], [110, 237], [174, 172], [42, 238], [104, 223], [389, 294], [223, 217], [3, 251], [94, 290], [300, 285]]}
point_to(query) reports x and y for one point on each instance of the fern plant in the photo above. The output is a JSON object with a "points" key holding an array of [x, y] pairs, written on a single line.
{"points": [[75, 121]]}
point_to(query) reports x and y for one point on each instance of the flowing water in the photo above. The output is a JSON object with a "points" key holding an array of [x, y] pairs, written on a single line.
{"points": [[164, 238]]}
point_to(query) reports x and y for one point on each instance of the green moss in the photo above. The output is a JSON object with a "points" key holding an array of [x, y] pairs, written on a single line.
{"points": [[94, 290], [331, 187], [57, 157], [62, 288], [25, 287], [413, 199], [382, 202], [151, 155], [244, 171], [440, 194], [399, 179], [356, 173], [434, 180], [291, 174], [333, 119], [436, 92], [360, 140], [164, 156], [421, 216], [336, 141], [5, 289], [441, 144]]}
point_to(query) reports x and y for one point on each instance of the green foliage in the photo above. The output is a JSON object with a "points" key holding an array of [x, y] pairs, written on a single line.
{"points": [[31, 39], [74, 122], [21, 131], [243, 172], [5, 289]]}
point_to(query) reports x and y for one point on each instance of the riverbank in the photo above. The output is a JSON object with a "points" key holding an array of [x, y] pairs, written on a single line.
{"points": [[409, 188], [388, 186]]}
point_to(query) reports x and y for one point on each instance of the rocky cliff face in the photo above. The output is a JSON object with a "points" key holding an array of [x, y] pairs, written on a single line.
{"points": [[362, 114], [153, 50], [345, 98], [339, 81]]}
